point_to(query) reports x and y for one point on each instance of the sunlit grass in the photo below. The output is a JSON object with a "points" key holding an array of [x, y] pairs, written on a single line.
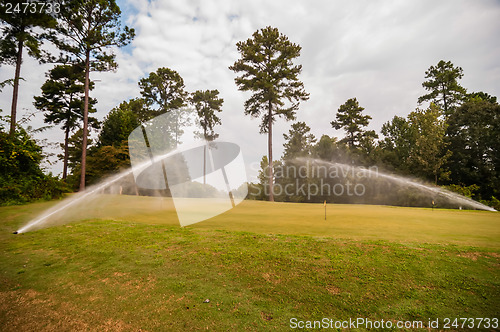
{"points": [[258, 266]]}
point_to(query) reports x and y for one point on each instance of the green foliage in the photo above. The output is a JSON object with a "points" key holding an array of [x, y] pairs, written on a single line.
{"points": [[350, 118], [399, 138], [263, 175], [474, 137], [478, 96], [268, 72], [328, 148], [207, 103], [442, 82], [109, 155], [3, 84], [118, 125], [105, 160], [139, 108], [21, 30], [62, 101], [62, 96], [261, 189], [298, 142], [429, 152], [74, 157], [88, 29], [22, 180], [467, 191], [416, 145], [164, 90], [493, 202]]}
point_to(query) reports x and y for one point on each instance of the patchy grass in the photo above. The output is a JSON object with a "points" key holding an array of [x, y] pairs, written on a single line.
{"points": [[129, 275]]}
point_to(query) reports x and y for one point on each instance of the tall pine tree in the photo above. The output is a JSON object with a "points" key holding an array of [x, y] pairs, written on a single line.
{"points": [[268, 71], [87, 30], [442, 82], [62, 101], [22, 29], [350, 118], [164, 92], [207, 103]]}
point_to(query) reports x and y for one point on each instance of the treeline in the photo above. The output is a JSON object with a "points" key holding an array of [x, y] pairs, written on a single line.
{"points": [[84, 32], [453, 142]]}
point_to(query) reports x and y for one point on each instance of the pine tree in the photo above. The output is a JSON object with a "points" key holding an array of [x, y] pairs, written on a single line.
{"points": [[350, 118], [22, 29], [268, 71], [164, 92], [207, 103], [87, 30], [62, 101], [443, 86]]}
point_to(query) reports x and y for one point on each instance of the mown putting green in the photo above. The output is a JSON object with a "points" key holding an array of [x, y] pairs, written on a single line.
{"points": [[367, 222], [259, 265]]}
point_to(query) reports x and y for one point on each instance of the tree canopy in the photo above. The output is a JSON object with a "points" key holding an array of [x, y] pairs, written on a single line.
{"points": [[207, 104], [299, 141], [62, 101], [164, 93], [442, 82], [350, 118], [474, 137]]}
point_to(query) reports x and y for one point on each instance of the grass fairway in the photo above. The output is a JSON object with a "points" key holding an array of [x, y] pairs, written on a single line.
{"points": [[259, 265]]}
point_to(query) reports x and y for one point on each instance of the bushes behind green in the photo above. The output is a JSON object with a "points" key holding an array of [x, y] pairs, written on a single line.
{"points": [[21, 178]]}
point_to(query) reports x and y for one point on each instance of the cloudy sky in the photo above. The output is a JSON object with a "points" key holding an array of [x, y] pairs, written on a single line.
{"points": [[376, 51]]}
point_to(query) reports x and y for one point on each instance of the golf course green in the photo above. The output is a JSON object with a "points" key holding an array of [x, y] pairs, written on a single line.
{"points": [[130, 267]]}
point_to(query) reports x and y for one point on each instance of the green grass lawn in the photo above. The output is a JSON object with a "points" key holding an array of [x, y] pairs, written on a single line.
{"points": [[131, 267]]}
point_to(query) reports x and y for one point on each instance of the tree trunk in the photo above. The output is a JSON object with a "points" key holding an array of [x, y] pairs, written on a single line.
{"points": [[445, 104], [205, 156], [85, 121], [15, 92], [176, 127], [270, 152], [66, 143]]}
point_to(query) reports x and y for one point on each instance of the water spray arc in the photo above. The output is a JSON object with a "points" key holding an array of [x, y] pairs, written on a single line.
{"points": [[81, 199], [465, 201]]}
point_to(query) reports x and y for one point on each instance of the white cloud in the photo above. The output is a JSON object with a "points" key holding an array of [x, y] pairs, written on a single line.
{"points": [[375, 51]]}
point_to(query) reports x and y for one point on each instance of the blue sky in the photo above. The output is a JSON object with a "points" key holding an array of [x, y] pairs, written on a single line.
{"points": [[375, 51]]}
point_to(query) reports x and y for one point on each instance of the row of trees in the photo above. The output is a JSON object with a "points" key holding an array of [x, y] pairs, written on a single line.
{"points": [[425, 144], [454, 142], [163, 91], [84, 32]]}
